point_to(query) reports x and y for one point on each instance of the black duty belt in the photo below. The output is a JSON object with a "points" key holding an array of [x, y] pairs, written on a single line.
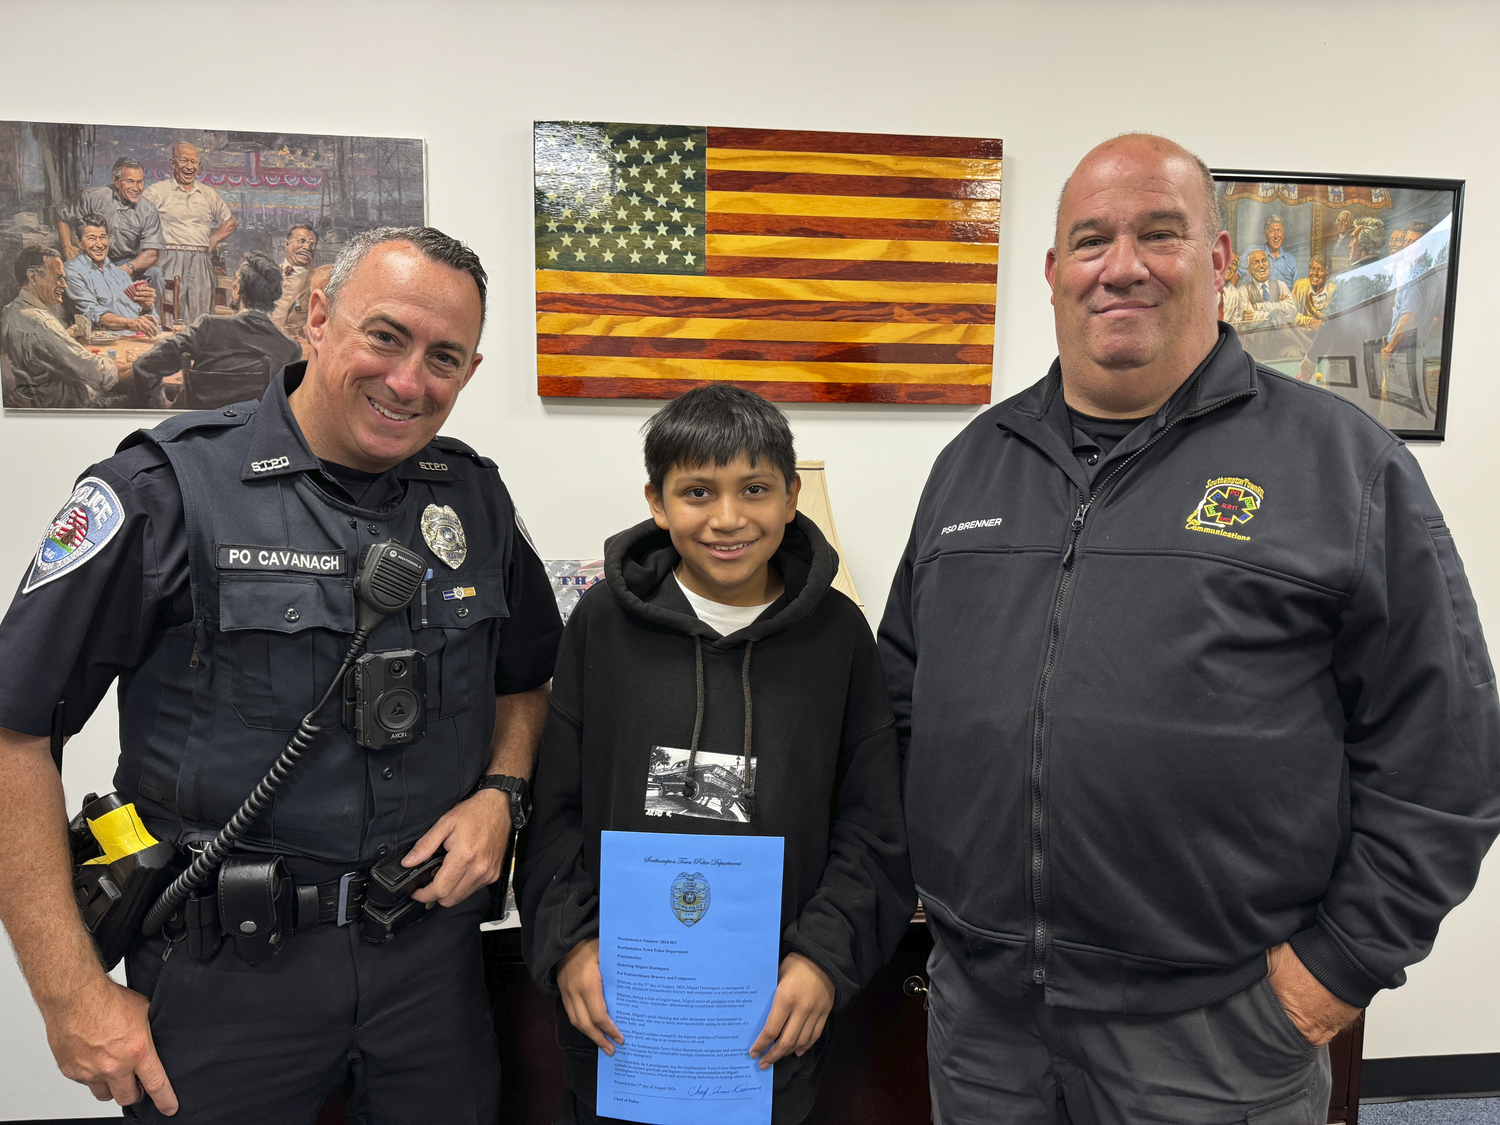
{"points": [[337, 902]]}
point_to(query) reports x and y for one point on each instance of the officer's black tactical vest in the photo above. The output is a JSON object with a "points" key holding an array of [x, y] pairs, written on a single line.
{"points": [[272, 561]]}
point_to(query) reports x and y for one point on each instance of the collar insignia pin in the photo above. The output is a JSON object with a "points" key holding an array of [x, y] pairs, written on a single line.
{"points": [[444, 535]]}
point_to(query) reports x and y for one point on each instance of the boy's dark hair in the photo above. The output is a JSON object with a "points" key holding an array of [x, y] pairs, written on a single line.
{"points": [[716, 424]]}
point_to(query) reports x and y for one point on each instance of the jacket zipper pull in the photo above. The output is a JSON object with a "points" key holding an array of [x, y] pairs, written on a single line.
{"points": [[1078, 517], [199, 635]]}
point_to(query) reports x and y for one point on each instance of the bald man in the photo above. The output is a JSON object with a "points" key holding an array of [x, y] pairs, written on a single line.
{"points": [[1201, 737], [194, 220]]}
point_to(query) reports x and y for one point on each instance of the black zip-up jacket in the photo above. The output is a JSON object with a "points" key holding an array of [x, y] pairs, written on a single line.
{"points": [[1231, 693], [638, 669]]}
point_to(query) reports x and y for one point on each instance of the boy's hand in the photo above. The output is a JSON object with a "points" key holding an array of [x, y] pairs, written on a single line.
{"points": [[804, 997], [583, 995]]}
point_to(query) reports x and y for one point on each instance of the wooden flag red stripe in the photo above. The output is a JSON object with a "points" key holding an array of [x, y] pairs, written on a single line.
{"points": [[883, 144], [810, 183], [831, 269], [802, 226], [785, 351], [610, 304], [923, 393]]}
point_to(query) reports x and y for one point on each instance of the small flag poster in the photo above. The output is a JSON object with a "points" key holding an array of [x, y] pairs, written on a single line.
{"points": [[805, 266]]}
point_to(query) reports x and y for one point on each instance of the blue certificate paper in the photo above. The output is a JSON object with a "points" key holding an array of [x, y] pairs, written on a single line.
{"points": [[689, 937]]}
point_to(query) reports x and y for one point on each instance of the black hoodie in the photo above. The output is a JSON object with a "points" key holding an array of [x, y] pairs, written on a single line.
{"points": [[639, 670]]}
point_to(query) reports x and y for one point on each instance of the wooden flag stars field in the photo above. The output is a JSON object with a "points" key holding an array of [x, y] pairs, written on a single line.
{"points": [[805, 266]]}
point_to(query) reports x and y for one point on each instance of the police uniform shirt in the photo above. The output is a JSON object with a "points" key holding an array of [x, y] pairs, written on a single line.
{"points": [[71, 634]]}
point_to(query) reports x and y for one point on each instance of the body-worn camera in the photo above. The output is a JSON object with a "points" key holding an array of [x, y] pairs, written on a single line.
{"points": [[385, 698]]}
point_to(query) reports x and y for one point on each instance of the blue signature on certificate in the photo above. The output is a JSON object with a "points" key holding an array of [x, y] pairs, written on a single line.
{"points": [[738, 1091]]}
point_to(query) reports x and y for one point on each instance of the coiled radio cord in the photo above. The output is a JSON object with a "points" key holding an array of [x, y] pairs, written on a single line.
{"points": [[212, 857]]}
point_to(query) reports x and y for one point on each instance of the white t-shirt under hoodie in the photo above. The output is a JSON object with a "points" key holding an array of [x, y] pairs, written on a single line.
{"points": [[726, 619]]}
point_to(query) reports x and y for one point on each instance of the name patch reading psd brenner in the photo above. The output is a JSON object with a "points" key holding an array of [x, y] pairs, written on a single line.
{"points": [[284, 559]]}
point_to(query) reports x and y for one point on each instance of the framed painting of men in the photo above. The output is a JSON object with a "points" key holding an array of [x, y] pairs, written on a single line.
{"points": [[1348, 283], [165, 268]]}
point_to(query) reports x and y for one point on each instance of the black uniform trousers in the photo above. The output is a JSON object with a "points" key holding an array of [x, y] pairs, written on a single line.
{"points": [[410, 1019]]}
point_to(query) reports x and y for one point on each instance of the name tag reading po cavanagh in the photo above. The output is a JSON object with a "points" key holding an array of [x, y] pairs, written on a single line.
{"points": [[283, 559]]}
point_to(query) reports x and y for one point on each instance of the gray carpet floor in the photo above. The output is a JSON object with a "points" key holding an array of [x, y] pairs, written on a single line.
{"points": [[1445, 1111]]}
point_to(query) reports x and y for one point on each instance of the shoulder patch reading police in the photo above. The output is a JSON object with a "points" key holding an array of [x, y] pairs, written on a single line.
{"points": [[444, 535], [86, 523], [1230, 502], [236, 556]]}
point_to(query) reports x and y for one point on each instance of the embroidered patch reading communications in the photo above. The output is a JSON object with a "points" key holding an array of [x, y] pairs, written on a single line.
{"points": [[1229, 502]]}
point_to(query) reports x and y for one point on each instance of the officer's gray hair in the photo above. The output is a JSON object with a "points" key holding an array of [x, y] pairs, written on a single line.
{"points": [[432, 243], [1213, 216], [123, 163]]}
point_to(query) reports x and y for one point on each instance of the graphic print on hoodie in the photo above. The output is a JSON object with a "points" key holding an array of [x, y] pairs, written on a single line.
{"points": [[720, 785]]}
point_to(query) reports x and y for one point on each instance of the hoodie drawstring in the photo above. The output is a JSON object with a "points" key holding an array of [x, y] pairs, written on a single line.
{"points": [[690, 779], [749, 791]]}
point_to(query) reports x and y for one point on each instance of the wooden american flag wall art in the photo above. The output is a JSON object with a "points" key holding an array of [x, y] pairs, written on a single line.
{"points": [[805, 266]]}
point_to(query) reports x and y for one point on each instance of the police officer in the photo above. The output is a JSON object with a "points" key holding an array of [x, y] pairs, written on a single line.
{"points": [[207, 565]]}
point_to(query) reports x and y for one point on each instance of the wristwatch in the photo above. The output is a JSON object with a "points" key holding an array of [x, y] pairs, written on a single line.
{"points": [[520, 795]]}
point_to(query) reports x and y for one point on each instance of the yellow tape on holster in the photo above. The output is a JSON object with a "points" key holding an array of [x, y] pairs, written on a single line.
{"points": [[120, 833]]}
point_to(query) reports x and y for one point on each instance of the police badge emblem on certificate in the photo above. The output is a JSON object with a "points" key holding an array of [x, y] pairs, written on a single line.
{"points": [[444, 535], [87, 522], [690, 897]]}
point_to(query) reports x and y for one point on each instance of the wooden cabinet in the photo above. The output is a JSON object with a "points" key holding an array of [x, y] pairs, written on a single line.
{"points": [[1346, 1054]]}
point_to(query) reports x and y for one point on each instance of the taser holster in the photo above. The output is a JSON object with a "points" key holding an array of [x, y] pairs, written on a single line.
{"points": [[118, 870]]}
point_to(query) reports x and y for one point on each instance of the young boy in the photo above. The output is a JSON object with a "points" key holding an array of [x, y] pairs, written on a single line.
{"points": [[715, 683]]}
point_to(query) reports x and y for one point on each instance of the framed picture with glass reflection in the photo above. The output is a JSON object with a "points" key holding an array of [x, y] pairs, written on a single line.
{"points": [[1348, 283]]}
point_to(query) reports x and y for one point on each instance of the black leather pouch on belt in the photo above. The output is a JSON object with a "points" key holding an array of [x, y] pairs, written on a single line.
{"points": [[200, 915], [257, 905]]}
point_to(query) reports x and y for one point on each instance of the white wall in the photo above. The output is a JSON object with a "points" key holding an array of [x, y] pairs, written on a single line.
{"points": [[1365, 87]]}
